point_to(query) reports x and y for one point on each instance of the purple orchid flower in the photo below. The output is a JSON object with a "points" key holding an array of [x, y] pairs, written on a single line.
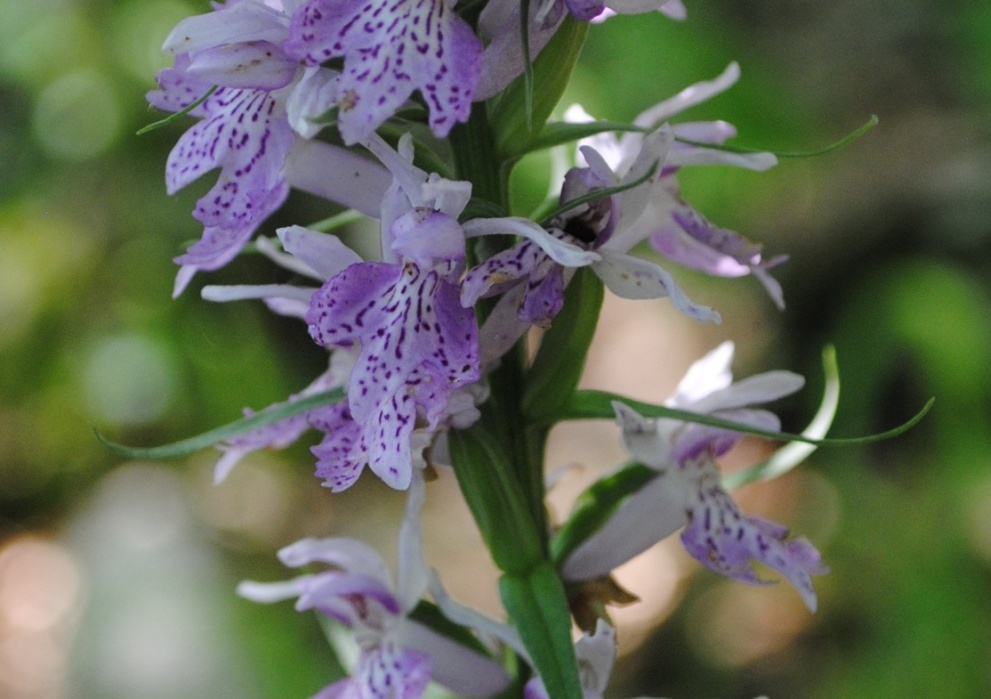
{"points": [[687, 493], [418, 344], [674, 228], [249, 128], [593, 234], [390, 48], [396, 656]]}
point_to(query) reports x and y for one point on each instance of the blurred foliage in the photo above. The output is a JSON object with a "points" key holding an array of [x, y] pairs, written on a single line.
{"points": [[890, 247]]}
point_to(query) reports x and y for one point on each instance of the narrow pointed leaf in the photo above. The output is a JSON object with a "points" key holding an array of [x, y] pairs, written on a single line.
{"points": [[591, 405], [225, 432]]}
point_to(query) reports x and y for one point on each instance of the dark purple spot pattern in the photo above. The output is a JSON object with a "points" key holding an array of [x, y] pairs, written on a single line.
{"points": [[390, 48], [245, 133], [725, 540], [417, 345]]}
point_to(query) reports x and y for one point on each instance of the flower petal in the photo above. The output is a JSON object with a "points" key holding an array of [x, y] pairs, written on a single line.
{"points": [[633, 278]]}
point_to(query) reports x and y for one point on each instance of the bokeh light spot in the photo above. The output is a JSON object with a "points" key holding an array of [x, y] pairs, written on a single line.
{"points": [[77, 116], [129, 380]]}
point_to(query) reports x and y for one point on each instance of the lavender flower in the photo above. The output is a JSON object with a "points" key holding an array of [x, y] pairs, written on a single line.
{"points": [[250, 128], [600, 227], [397, 656], [687, 491], [674, 228], [390, 48]]}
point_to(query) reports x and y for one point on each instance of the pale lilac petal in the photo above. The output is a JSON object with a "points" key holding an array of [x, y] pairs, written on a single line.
{"points": [[337, 174], [535, 689], [636, 7], [596, 655], [689, 97], [707, 375], [717, 132], [341, 552], [246, 64], [390, 48], [346, 688], [643, 438], [313, 96], [241, 292], [177, 90], [242, 22], [267, 593], [323, 253], [650, 515], [464, 671], [413, 575], [675, 9], [335, 594], [244, 135], [562, 252], [448, 196], [408, 179], [428, 237], [642, 206], [762, 388], [759, 162], [278, 435], [502, 328], [276, 254], [633, 278], [221, 244], [386, 437], [288, 307]]}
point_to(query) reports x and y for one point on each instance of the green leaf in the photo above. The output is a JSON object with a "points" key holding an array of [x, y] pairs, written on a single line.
{"points": [[788, 457], [554, 375], [181, 113], [538, 608], [596, 506], [220, 434], [558, 133], [591, 405], [551, 74], [485, 476], [849, 138]]}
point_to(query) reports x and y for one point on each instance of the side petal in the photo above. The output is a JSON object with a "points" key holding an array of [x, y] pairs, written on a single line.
{"points": [[633, 278], [322, 252], [720, 537]]}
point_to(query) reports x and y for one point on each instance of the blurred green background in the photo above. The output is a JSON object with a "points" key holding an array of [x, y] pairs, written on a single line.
{"points": [[116, 579]]}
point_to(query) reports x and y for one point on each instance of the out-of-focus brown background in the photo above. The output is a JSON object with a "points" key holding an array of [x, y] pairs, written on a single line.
{"points": [[116, 578]]}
